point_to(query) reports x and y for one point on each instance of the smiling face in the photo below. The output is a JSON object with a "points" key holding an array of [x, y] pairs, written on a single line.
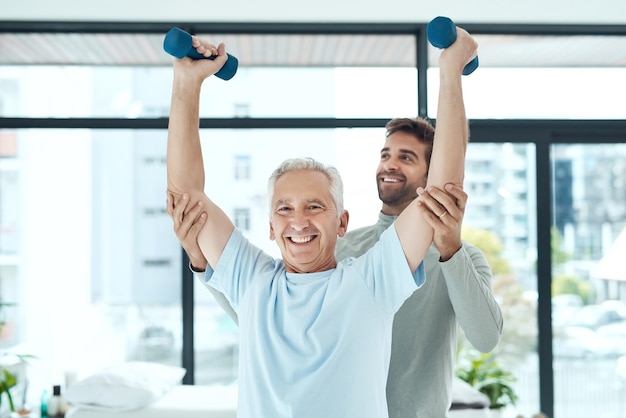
{"points": [[402, 169], [304, 221]]}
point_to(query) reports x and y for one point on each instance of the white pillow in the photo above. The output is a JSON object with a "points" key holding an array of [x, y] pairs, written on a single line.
{"points": [[124, 387]]}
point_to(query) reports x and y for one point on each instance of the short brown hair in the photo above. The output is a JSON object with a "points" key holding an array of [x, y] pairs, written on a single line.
{"points": [[419, 127]]}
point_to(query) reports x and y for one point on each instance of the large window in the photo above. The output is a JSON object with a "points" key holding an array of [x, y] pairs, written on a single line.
{"points": [[589, 280], [90, 261]]}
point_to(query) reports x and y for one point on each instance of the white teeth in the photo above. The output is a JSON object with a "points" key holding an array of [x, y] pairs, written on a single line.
{"points": [[301, 240], [388, 180]]}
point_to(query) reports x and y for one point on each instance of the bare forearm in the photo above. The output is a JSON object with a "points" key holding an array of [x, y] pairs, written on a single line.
{"points": [[185, 169], [451, 133], [447, 164], [197, 260]]}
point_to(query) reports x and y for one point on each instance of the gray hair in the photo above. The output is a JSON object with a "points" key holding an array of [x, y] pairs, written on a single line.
{"points": [[307, 163]]}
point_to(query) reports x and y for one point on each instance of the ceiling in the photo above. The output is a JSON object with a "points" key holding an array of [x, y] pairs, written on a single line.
{"points": [[311, 50]]}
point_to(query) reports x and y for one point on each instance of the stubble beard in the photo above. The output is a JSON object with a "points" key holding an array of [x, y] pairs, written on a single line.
{"points": [[399, 197]]}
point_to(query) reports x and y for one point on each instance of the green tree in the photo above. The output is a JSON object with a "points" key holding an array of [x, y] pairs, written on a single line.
{"points": [[559, 256], [490, 245], [564, 284]]}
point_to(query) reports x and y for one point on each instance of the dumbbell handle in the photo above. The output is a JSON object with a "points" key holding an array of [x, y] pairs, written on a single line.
{"points": [[177, 43], [441, 33]]}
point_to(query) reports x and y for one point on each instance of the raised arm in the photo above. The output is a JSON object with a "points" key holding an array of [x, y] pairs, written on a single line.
{"points": [[185, 168], [447, 164]]}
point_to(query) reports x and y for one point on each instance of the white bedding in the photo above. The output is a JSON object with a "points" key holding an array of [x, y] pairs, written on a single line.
{"points": [[189, 401], [196, 401]]}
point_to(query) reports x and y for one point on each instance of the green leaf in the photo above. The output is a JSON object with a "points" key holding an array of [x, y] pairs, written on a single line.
{"points": [[482, 371]]}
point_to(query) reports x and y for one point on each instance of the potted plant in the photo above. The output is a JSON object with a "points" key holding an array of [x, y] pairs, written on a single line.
{"points": [[8, 376], [7, 381], [483, 372]]}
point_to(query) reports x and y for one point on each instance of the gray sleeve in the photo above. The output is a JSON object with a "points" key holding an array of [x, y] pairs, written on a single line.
{"points": [[219, 297], [469, 281]]}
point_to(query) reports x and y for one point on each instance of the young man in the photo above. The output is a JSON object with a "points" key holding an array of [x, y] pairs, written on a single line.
{"points": [[457, 290], [321, 329]]}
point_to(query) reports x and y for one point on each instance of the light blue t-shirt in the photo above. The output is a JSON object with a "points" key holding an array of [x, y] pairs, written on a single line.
{"points": [[314, 345]]}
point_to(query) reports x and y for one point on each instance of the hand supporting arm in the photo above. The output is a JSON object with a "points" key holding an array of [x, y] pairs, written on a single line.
{"points": [[187, 226]]}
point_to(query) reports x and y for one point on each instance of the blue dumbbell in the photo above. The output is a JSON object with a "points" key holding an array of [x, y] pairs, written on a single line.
{"points": [[441, 33], [177, 43]]}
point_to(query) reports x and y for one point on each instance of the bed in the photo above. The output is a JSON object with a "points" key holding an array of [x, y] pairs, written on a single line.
{"points": [[212, 402], [149, 390], [188, 401]]}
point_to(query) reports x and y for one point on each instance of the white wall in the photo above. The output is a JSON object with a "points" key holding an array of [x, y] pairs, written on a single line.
{"points": [[461, 11]]}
